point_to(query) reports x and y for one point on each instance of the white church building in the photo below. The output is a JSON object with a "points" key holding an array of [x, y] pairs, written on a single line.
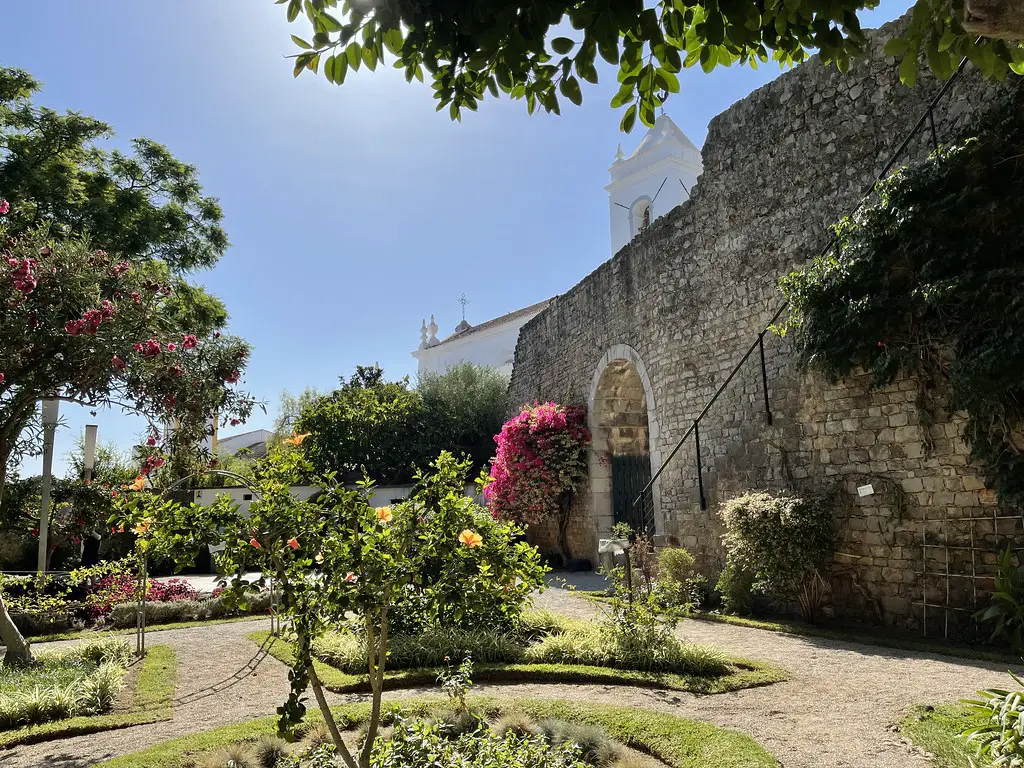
{"points": [[654, 179]]}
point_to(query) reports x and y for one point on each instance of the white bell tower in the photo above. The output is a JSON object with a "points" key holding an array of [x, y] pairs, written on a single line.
{"points": [[657, 177]]}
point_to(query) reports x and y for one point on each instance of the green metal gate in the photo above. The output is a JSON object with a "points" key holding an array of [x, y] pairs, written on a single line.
{"points": [[630, 474]]}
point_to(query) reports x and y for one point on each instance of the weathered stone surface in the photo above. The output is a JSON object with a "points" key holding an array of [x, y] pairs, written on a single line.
{"points": [[689, 296]]}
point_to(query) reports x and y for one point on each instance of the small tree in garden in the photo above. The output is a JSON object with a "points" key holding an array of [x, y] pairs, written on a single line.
{"points": [[334, 555], [541, 461], [784, 542]]}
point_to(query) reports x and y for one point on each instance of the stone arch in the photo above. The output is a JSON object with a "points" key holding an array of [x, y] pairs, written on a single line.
{"points": [[623, 420]]}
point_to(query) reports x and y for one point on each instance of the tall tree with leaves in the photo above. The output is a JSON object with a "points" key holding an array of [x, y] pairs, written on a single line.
{"points": [[368, 425], [541, 52], [94, 305]]}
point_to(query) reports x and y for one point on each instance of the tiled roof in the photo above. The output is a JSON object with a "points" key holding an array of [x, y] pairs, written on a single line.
{"points": [[530, 310]]}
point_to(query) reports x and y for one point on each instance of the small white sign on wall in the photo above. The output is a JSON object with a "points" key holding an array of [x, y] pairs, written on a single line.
{"points": [[865, 490]]}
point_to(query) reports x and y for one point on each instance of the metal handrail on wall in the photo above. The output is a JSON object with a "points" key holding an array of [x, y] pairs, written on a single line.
{"points": [[647, 511]]}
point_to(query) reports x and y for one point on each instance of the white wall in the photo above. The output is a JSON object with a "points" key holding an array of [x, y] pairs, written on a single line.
{"points": [[383, 495]]}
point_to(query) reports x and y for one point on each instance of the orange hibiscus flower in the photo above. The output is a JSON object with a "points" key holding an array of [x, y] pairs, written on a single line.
{"points": [[384, 514], [138, 485], [293, 543], [471, 539], [297, 439]]}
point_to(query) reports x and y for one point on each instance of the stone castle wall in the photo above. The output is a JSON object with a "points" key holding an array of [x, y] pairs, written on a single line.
{"points": [[691, 294]]}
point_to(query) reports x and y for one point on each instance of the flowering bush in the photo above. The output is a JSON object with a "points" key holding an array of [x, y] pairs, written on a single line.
{"points": [[110, 591], [541, 460], [171, 591]]}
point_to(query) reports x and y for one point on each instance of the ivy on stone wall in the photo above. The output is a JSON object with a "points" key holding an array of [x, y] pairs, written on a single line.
{"points": [[928, 282]]}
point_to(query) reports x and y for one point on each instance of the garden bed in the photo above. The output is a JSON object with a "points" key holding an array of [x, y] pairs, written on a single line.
{"points": [[63, 697], [661, 739], [548, 648]]}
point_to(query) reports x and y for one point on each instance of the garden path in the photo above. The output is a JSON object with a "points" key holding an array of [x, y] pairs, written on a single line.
{"points": [[837, 711]]}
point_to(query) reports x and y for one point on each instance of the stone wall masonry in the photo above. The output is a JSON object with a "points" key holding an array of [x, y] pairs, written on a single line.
{"points": [[692, 293]]}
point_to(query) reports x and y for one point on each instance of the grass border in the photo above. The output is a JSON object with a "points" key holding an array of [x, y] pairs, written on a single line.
{"points": [[151, 702], [748, 674], [801, 629], [84, 633], [937, 729], [676, 741]]}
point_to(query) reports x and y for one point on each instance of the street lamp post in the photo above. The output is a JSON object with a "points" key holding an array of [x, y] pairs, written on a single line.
{"points": [[49, 410]]}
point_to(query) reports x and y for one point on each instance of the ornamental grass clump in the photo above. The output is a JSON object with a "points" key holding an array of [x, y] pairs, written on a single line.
{"points": [[83, 681]]}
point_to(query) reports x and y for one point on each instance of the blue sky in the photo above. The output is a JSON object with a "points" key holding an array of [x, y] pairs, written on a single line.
{"points": [[353, 212]]}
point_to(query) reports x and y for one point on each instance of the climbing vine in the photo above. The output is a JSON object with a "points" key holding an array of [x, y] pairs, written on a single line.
{"points": [[928, 282]]}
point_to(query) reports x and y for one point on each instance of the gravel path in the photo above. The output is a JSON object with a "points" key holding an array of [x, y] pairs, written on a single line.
{"points": [[837, 711]]}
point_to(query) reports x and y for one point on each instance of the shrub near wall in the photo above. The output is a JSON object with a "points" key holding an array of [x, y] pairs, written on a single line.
{"points": [[784, 542]]}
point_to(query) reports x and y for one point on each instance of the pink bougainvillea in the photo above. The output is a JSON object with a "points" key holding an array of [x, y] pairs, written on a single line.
{"points": [[541, 460]]}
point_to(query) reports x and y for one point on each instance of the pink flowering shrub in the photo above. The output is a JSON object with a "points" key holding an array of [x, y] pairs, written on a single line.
{"points": [[122, 588], [110, 591], [171, 590], [540, 462]]}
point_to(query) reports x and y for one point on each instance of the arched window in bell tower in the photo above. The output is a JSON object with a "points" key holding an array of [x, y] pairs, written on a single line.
{"points": [[640, 215]]}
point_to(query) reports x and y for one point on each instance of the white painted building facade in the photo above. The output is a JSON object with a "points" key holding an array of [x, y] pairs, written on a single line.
{"points": [[491, 344]]}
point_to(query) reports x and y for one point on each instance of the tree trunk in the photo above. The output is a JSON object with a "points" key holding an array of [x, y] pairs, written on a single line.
{"points": [[1001, 19], [18, 652], [564, 512]]}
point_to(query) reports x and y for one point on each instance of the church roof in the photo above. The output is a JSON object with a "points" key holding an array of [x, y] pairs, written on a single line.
{"points": [[471, 329], [663, 130]]}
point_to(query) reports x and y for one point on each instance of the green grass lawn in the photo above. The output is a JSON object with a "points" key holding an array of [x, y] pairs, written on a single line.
{"points": [[150, 702], [936, 729], [742, 674], [677, 742]]}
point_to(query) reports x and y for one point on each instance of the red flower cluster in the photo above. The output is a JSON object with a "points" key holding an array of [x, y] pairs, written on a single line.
{"points": [[541, 454], [151, 463], [121, 267], [118, 363], [24, 280], [123, 588], [189, 341], [136, 297], [4, 207], [91, 320], [148, 348], [232, 377]]}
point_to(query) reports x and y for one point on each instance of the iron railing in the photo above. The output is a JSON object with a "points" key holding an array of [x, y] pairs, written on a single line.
{"points": [[646, 498]]}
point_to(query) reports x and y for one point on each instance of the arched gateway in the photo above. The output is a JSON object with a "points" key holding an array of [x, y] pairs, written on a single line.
{"points": [[623, 420]]}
